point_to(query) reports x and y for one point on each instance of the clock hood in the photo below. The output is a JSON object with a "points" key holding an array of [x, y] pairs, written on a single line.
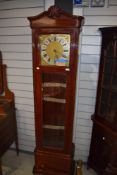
{"points": [[55, 17]]}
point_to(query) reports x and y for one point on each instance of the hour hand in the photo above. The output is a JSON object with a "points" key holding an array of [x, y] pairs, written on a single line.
{"points": [[58, 54]]}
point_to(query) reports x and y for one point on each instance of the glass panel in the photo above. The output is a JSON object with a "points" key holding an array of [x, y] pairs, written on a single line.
{"points": [[104, 102], [108, 65], [114, 84], [53, 138], [114, 75], [54, 109], [106, 80], [108, 98], [112, 108], [55, 49], [115, 67], [110, 49], [108, 68], [1, 79]]}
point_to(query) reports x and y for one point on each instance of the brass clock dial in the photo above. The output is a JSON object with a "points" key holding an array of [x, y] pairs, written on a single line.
{"points": [[55, 49]]}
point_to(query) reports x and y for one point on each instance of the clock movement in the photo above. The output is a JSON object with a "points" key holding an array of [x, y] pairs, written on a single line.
{"points": [[55, 36]]}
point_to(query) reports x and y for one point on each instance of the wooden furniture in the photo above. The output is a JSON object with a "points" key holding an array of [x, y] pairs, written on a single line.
{"points": [[103, 150], [55, 43], [8, 128]]}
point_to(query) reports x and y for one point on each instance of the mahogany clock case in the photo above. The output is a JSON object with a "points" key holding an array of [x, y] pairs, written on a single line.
{"points": [[55, 36]]}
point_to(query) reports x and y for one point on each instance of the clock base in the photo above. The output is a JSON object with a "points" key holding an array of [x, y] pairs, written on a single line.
{"points": [[52, 163]]}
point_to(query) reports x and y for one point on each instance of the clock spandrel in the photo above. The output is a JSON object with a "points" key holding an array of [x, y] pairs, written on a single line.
{"points": [[54, 49]]}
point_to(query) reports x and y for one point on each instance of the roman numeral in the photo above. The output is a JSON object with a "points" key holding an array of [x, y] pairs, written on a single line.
{"points": [[45, 55], [65, 50]]}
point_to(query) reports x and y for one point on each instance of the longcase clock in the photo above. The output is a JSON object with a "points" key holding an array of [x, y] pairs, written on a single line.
{"points": [[55, 36]]}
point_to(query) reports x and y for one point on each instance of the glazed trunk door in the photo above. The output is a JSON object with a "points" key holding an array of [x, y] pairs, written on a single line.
{"points": [[53, 109], [107, 105]]}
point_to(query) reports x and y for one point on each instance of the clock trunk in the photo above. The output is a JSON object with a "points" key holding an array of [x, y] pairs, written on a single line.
{"points": [[55, 36]]}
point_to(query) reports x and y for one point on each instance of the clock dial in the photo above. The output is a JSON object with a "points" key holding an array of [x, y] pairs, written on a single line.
{"points": [[55, 49]]}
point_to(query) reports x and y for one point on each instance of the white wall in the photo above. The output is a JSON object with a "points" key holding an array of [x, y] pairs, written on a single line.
{"points": [[15, 44]]}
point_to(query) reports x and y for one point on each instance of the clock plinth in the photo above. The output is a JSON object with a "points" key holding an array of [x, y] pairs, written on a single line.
{"points": [[55, 36], [49, 163]]}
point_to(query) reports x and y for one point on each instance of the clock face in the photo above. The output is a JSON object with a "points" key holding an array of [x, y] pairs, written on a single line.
{"points": [[55, 49]]}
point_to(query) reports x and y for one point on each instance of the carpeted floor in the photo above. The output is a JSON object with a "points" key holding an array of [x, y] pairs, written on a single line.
{"points": [[17, 165], [7, 170]]}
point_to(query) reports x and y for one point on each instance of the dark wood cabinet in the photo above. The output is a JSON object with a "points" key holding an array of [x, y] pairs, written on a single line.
{"points": [[55, 36], [103, 149], [8, 124]]}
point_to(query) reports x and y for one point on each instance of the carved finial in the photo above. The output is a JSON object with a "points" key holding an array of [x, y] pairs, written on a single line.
{"points": [[54, 12]]}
